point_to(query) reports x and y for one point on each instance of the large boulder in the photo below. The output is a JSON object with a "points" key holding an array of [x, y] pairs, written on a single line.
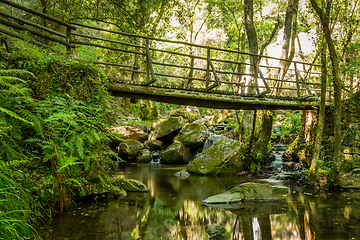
{"points": [[167, 127], [250, 192], [128, 132], [153, 144], [130, 150], [189, 117], [176, 153], [193, 135], [224, 156]]}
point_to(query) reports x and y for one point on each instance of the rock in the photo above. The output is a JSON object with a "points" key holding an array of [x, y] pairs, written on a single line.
{"points": [[130, 185], [211, 140], [144, 156], [181, 113], [175, 153], [250, 192], [153, 144], [215, 231], [290, 166], [224, 156], [127, 132], [168, 126], [292, 151], [130, 149], [193, 135], [182, 174]]}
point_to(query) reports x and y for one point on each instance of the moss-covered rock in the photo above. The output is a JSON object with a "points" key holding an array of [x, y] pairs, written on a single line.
{"points": [[129, 150], [130, 185], [250, 192], [223, 157], [193, 135], [176, 153], [144, 156], [182, 113], [168, 126], [153, 144]]}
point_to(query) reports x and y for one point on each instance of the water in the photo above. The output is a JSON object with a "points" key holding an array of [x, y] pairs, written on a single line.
{"points": [[172, 210]]}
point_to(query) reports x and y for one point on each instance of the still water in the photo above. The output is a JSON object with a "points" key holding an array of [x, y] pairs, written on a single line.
{"points": [[172, 210]]}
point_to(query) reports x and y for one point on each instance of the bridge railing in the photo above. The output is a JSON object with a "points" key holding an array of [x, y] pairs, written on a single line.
{"points": [[145, 60]]}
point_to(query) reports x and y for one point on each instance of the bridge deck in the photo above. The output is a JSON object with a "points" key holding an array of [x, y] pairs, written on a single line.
{"points": [[209, 99]]}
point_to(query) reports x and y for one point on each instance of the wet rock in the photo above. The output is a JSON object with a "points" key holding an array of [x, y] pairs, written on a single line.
{"points": [[176, 153], [130, 149], [182, 174], [215, 231], [224, 156], [153, 144], [168, 126], [289, 166], [144, 156], [250, 192], [193, 135], [130, 185]]}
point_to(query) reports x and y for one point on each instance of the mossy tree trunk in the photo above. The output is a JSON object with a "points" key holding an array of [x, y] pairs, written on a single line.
{"points": [[321, 118], [261, 146], [324, 15]]}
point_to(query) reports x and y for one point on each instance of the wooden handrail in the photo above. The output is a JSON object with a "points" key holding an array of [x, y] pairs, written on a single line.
{"points": [[40, 14]]}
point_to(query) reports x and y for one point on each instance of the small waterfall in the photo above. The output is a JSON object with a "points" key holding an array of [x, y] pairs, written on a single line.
{"points": [[156, 158], [278, 162]]}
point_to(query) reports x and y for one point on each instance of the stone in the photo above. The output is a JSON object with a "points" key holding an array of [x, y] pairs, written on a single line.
{"points": [[180, 113], [182, 174], [128, 132], [223, 157], [211, 140], [130, 185], [175, 153], [167, 127], [130, 149], [250, 192], [193, 135], [153, 144], [144, 156]]}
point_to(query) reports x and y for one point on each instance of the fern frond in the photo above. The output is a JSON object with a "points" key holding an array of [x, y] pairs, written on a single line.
{"points": [[32, 118], [21, 73], [14, 115]]}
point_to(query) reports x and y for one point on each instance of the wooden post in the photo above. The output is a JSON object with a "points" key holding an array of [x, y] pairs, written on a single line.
{"points": [[255, 74], [207, 68], [69, 50], [191, 72], [149, 67], [297, 81]]}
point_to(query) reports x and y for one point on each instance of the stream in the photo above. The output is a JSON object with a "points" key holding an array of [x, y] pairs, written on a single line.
{"points": [[173, 210]]}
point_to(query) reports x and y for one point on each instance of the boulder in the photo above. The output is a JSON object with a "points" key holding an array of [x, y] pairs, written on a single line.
{"points": [[130, 185], [224, 156], [153, 144], [167, 127], [211, 140], [144, 156], [176, 153], [193, 135], [130, 149], [181, 113], [127, 132], [250, 192]]}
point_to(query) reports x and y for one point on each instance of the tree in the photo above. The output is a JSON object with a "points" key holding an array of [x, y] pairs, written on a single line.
{"points": [[324, 16]]}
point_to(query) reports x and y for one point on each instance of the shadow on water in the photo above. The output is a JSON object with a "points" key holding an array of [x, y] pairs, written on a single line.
{"points": [[172, 210]]}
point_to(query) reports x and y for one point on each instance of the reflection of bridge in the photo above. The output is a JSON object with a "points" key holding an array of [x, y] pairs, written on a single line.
{"points": [[177, 72]]}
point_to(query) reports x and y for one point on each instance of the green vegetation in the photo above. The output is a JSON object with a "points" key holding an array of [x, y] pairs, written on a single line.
{"points": [[53, 119]]}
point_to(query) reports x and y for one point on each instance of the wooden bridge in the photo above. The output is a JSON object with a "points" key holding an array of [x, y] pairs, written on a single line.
{"points": [[173, 71]]}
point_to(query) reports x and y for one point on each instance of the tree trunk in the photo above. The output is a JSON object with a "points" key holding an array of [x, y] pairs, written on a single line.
{"points": [[321, 121], [333, 178]]}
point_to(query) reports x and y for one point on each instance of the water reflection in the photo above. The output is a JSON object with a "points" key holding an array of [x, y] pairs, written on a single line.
{"points": [[172, 210]]}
